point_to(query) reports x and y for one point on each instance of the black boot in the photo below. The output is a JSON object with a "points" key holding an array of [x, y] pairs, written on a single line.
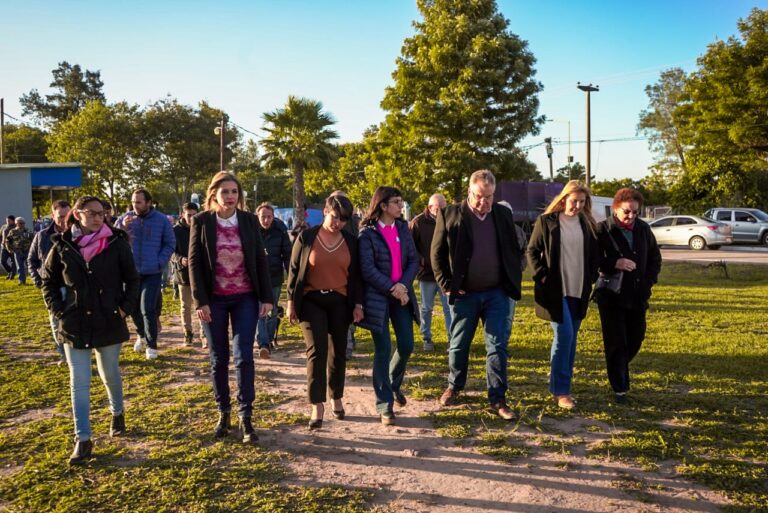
{"points": [[188, 338], [81, 452], [117, 427], [246, 428], [222, 427]]}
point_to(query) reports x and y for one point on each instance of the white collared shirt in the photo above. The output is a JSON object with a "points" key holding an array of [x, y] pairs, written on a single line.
{"points": [[231, 221]]}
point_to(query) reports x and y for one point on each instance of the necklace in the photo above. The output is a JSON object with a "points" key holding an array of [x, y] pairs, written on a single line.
{"points": [[333, 247]]}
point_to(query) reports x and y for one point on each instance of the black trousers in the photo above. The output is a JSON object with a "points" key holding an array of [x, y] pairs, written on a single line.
{"points": [[324, 322], [623, 334]]}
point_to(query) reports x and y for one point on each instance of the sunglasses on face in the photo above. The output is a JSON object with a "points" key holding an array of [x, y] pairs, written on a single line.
{"points": [[627, 211]]}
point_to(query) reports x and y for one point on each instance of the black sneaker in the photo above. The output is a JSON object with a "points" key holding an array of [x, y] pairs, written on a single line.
{"points": [[246, 429], [400, 399], [117, 427], [388, 418], [222, 426], [622, 398]]}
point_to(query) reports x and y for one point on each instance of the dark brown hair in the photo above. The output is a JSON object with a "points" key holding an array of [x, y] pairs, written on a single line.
{"points": [[627, 194], [382, 194]]}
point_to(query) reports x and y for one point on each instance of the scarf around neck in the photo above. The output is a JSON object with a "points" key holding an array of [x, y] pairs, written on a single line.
{"points": [[93, 243]]}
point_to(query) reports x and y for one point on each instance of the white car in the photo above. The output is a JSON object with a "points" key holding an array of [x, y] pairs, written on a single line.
{"points": [[696, 232]]}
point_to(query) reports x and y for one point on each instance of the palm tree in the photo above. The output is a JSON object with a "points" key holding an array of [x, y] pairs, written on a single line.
{"points": [[299, 138]]}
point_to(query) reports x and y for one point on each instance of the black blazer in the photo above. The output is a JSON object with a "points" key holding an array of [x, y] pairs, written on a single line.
{"points": [[636, 285], [202, 256], [297, 270], [544, 259], [452, 247]]}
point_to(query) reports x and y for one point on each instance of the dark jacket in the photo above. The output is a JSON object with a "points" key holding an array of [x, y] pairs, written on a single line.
{"points": [[452, 249], [39, 249], [202, 256], [423, 230], [297, 270], [152, 240], [636, 285], [180, 271], [19, 240], [278, 247], [544, 259], [95, 290], [376, 269]]}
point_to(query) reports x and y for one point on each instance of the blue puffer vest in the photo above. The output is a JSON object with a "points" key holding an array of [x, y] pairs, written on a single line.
{"points": [[376, 269]]}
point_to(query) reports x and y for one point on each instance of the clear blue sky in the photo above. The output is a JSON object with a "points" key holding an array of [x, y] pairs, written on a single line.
{"points": [[246, 57]]}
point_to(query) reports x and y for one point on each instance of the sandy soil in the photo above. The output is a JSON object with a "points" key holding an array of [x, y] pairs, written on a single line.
{"points": [[412, 469]]}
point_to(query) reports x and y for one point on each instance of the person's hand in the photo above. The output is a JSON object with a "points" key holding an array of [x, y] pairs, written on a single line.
{"points": [[625, 264], [184, 261], [127, 220], [265, 309], [399, 290], [290, 311], [358, 314], [404, 300], [204, 313]]}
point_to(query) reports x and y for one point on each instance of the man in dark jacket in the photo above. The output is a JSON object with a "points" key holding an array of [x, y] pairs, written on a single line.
{"points": [[423, 230], [180, 263], [278, 247], [41, 245], [18, 242], [476, 261], [6, 257], [153, 242]]}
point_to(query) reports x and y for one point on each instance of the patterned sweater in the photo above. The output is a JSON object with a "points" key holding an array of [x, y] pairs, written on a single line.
{"points": [[231, 277]]}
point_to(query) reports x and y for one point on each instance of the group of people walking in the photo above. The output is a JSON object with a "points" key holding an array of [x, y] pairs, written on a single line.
{"points": [[230, 266]]}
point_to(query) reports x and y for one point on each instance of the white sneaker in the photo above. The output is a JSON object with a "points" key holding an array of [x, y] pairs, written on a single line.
{"points": [[140, 345], [151, 354]]}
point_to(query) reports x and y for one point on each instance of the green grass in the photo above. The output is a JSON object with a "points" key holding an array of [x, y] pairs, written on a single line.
{"points": [[168, 461], [699, 385], [699, 391]]}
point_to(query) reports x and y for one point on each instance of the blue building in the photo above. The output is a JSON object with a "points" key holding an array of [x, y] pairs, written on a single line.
{"points": [[17, 181]]}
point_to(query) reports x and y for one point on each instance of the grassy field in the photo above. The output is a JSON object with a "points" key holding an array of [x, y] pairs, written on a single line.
{"points": [[700, 401]]}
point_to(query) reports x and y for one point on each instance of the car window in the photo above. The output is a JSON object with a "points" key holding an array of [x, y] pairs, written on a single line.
{"points": [[760, 215], [664, 221], [743, 217], [685, 220], [724, 215]]}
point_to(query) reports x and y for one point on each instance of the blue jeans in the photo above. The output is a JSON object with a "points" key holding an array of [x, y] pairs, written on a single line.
{"points": [[107, 362], [428, 291], [265, 328], [388, 375], [511, 317], [20, 259], [241, 310], [564, 348], [145, 315], [492, 306]]}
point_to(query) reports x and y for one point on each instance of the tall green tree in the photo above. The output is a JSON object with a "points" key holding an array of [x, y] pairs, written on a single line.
{"points": [[179, 148], [73, 89], [299, 138], [659, 123], [463, 96], [24, 143], [261, 185], [725, 122], [106, 140]]}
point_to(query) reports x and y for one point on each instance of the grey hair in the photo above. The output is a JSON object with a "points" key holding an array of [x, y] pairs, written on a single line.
{"points": [[483, 175]]}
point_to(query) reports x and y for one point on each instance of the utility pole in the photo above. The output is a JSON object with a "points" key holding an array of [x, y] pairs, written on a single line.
{"points": [[589, 88], [2, 130], [219, 130], [548, 142]]}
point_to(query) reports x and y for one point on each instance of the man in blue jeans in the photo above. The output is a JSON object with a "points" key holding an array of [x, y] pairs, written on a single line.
{"points": [[476, 260], [423, 230], [275, 236], [153, 242]]}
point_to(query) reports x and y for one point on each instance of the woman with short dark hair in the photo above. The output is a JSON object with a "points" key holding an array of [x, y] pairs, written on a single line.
{"points": [[388, 265], [325, 296], [94, 263], [627, 244]]}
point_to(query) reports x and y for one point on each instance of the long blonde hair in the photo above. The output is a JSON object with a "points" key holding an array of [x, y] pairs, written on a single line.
{"points": [[218, 179], [558, 204]]}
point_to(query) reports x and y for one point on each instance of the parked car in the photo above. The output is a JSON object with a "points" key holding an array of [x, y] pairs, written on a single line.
{"points": [[748, 225], [694, 231]]}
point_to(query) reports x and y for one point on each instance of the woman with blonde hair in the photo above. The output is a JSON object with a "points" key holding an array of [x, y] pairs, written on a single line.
{"points": [[229, 276], [564, 258]]}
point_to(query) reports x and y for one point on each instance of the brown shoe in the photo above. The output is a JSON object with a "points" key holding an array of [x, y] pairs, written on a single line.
{"points": [[502, 410], [565, 402], [449, 397]]}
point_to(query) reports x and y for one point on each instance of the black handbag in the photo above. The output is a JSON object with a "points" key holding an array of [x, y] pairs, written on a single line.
{"points": [[611, 282]]}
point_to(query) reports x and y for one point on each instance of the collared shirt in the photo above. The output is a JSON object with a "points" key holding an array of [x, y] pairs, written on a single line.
{"points": [[230, 221], [476, 212]]}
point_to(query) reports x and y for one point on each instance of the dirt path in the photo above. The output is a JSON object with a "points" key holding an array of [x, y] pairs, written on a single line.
{"points": [[412, 469]]}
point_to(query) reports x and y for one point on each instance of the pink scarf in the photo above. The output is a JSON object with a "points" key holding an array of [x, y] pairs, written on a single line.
{"points": [[94, 243]]}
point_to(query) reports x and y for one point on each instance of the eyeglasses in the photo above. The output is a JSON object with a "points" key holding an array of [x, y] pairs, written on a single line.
{"points": [[479, 197], [397, 201], [628, 211], [93, 213]]}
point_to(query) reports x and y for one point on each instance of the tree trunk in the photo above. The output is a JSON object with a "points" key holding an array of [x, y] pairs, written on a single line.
{"points": [[298, 191]]}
